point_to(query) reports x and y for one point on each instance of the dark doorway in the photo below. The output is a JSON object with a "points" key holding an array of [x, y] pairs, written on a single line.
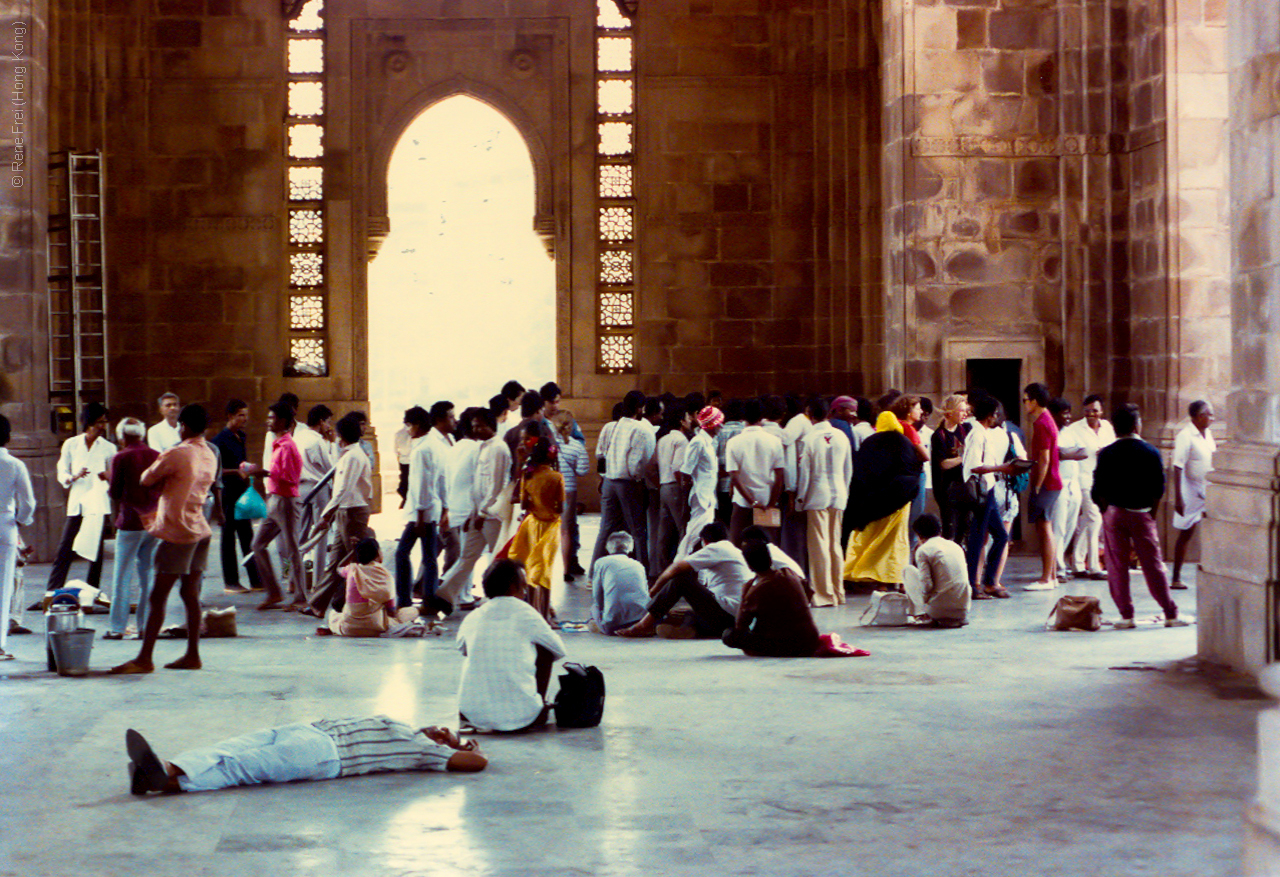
{"points": [[1001, 378]]}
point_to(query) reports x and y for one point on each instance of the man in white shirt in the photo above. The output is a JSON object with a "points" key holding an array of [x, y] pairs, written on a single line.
{"points": [[984, 453], [83, 467], [464, 505], [348, 507], [622, 494], [710, 580], [509, 651], [493, 489], [757, 470], [788, 430], [443, 426], [700, 471], [403, 444], [1066, 512], [939, 587], [651, 420], [164, 435], [17, 509], [822, 492], [619, 588], [315, 445], [1090, 435], [424, 513], [1192, 462], [673, 507]]}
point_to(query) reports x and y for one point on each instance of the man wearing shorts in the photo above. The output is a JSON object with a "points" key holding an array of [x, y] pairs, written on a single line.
{"points": [[1046, 481], [184, 474]]}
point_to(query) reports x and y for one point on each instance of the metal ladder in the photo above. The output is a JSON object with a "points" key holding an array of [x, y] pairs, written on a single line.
{"points": [[77, 278]]}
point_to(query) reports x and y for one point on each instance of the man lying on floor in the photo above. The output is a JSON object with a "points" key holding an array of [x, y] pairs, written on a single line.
{"points": [[320, 750]]}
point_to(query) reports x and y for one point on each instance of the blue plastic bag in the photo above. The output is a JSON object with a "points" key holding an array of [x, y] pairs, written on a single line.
{"points": [[251, 505]]}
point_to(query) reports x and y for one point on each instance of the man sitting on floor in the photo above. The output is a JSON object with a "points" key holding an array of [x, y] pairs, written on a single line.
{"points": [[508, 650], [619, 591], [774, 621], [711, 580], [320, 750], [940, 594]]}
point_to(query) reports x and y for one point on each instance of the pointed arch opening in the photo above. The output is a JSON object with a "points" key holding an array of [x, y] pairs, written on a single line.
{"points": [[462, 294]]}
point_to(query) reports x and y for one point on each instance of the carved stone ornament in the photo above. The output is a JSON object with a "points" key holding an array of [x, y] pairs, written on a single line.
{"points": [[397, 62], [523, 63]]}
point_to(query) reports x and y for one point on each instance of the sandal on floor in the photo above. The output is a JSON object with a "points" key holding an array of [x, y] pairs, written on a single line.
{"points": [[998, 592]]}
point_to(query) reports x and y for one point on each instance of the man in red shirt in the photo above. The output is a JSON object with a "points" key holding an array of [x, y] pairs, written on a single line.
{"points": [[282, 517], [1046, 482], [184, 474]]}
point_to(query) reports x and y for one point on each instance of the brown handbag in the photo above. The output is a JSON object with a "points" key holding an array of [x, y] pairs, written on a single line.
{"points": [[1075, 613]]}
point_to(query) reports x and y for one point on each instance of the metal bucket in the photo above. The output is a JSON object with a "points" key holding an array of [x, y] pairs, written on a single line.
{"points": [[71, 650], [60, 618]]}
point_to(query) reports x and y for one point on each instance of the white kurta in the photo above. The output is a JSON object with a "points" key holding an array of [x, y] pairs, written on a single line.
{"points": [[1193, 454]]}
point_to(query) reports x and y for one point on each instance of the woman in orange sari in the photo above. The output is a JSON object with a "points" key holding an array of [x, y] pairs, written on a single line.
{"points": [[537, 541]]}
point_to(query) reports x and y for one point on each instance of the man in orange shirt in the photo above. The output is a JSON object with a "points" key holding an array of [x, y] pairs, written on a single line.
{"points": [[184, 474]]}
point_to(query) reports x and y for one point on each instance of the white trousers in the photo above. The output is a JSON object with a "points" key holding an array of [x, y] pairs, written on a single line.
{"points": [[1087, 556], [8, 570], [1066, 513]]}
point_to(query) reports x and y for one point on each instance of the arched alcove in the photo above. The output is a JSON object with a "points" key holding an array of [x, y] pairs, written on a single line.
{"points": [[462, 293]]}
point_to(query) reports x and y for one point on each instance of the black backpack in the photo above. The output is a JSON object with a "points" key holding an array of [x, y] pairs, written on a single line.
{"points": [[580, 703]]}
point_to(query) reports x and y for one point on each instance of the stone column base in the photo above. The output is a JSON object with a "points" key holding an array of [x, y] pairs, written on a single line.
{"points": [[1236, 593]]}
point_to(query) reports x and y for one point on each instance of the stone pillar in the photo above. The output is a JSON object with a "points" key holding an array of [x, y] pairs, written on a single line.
{"points": [[24, 364], [1237, 583]]}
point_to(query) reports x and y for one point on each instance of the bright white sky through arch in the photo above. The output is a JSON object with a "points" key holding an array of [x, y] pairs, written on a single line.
{"points": [[462, 294]]}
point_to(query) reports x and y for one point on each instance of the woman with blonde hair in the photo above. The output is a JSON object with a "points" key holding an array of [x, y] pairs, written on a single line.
{"points": [[537, 541], [886, 478]]}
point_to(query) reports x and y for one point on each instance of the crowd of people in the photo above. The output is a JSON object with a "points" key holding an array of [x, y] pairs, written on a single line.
{"points": [[754, 513]]}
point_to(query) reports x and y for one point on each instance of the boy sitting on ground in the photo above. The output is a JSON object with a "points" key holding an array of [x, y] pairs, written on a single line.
{"points": [[774, 621], [940, 595]]}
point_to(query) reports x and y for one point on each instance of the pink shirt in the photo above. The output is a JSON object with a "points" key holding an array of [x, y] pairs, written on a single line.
{"points": [[286, 467], [1044, 436], [184, 474]]}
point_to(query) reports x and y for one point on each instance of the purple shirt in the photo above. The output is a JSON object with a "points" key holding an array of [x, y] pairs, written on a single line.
{"points": [[133, 500]]}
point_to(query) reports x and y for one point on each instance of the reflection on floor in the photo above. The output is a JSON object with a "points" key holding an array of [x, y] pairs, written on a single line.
{"points": [[997, 749]]}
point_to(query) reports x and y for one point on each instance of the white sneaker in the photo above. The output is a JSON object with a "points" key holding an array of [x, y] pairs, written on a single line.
{"points": [[1124, 624], [1041, 586], [1178, 622]]}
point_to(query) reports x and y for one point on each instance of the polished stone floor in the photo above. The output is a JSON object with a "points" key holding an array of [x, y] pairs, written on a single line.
{"points": [[998, 749]]}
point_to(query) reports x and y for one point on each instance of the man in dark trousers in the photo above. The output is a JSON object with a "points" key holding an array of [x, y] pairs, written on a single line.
{"points": [[1128, 486]]}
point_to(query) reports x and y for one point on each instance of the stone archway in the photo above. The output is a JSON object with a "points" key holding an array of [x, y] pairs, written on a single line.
{"points": [[396, 69]]}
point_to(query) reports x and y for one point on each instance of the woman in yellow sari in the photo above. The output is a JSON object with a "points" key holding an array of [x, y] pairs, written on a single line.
{"points": [[886, 478], [537, 541]]}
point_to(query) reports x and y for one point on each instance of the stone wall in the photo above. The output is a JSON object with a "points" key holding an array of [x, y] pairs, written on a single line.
{"points": [[24, 348], [759, 165]]}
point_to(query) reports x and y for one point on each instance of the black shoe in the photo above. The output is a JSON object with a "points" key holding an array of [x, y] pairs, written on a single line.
{"points": [[16, 629], [146, 772], [444, 607]]}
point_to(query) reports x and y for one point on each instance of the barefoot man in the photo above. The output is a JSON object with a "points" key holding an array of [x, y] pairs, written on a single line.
{"points": [[184, 473]]}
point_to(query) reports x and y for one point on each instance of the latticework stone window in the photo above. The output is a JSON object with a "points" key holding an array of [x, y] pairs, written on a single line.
{"points": [[306, 312], [304, 153], [615, 221]]}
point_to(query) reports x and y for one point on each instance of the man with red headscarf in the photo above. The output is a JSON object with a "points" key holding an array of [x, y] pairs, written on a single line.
{"points": [[701, 469]]}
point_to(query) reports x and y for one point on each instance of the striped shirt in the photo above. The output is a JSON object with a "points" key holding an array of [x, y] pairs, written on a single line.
{"points": [[573, 461], [374, 744]]}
